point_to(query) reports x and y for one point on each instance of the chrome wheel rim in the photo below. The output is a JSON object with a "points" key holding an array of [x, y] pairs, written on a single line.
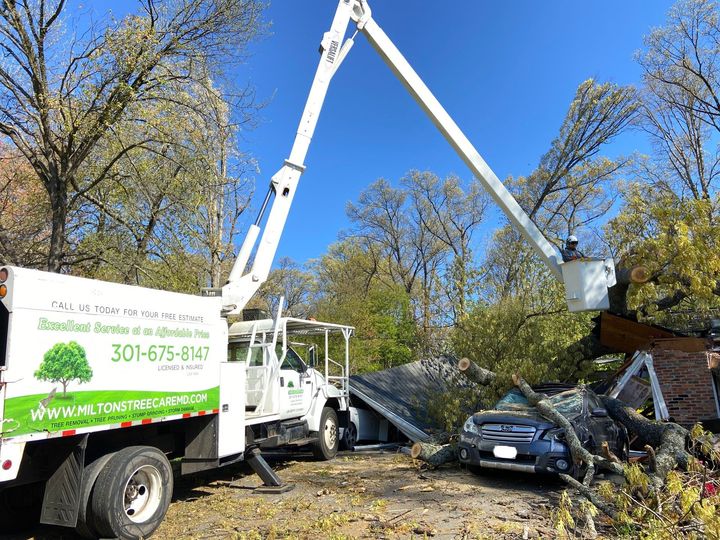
{"points": [[143, 494], [330, 433]]}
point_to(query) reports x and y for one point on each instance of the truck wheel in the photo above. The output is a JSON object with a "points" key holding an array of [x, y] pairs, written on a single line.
{"points": [[85, 526], [132, 493], [349, 438], [326, 446]]}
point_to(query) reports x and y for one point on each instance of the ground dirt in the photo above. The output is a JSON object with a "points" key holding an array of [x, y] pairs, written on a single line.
{"points": [[357, 495]]}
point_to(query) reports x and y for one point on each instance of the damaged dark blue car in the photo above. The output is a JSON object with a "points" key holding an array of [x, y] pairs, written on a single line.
{"points": [[513, 436]]}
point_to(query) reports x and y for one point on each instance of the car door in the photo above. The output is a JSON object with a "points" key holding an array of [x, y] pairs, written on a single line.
{"points": [[603, 428]]}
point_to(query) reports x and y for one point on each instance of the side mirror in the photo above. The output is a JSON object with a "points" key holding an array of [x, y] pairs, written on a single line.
{"points": [[313, 356], [599, 412]]}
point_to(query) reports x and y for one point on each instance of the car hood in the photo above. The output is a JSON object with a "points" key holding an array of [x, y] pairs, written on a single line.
{"points": [[529, 417]]}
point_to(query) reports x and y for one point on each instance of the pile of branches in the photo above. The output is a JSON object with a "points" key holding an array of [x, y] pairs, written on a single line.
{"points": [[673, 492]]}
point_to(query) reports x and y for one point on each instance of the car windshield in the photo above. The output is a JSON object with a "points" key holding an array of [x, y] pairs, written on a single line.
{"points": [[567, 403]]}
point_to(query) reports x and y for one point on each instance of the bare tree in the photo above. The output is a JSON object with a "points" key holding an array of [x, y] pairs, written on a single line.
{"points": [[292, 282], [670, 218], [58, 100], [402, 248], [451, 215], [570, 188]]}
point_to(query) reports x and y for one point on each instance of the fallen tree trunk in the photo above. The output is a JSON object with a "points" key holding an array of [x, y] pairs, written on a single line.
{"points": [[669, 440], [474, 372], [433, 454], [579, 453]]}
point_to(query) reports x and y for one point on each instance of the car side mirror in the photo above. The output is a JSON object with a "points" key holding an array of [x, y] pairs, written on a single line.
{"points": [[599, 412]]}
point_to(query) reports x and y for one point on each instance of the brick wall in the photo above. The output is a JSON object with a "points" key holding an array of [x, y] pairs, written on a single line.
{"points": [[686, 383]]}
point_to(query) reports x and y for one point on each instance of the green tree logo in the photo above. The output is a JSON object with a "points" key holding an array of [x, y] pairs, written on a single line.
{"points": [[63, 363]]}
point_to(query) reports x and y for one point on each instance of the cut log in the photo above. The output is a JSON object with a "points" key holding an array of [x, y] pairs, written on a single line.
{"points": [[634, 274], [474, 372], [433, 454]]}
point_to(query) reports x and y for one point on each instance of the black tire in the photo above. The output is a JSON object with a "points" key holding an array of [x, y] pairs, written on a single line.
{"points": [[85, 524], [349, 438], [326, 447], [132, 493]]}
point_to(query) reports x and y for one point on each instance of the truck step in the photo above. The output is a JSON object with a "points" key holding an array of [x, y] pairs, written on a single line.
{"points": [[303, 442]]}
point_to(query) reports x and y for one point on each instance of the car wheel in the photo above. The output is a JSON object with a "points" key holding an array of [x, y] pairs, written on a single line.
{"points": [[132, 493], [349, 438], [327, 444]]}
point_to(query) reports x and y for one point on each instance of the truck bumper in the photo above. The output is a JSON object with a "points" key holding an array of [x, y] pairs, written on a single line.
{"points": [[530, 458]]}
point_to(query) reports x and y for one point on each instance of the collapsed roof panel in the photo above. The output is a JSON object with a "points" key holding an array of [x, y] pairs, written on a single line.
{"points": [[401, 393]]}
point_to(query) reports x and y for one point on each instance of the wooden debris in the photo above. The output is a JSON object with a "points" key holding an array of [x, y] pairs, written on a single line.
{"points": [[667, 440], [608, 454], [433, 454], [474, 372]]}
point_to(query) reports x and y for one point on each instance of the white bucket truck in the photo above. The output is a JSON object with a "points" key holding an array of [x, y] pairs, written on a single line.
{"points": [[101, 385]]}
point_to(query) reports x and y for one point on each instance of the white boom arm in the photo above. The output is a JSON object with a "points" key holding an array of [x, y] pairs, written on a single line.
{"points": [[586, 281], [242, 286]]}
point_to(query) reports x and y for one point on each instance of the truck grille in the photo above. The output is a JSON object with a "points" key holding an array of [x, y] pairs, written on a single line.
{"points": [[508, 433]]}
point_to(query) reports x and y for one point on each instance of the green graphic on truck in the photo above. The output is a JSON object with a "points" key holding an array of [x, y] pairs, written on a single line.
{"points": [[34, 413], [63, 363]]}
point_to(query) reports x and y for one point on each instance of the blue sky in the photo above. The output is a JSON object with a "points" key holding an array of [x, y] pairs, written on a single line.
{"points": [[506, 72]]}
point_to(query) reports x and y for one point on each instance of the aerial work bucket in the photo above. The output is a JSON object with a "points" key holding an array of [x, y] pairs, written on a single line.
{"points": [[586, 283]]}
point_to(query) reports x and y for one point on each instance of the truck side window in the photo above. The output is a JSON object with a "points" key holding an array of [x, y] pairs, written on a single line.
{"points": [[292, 360], [237, 352]]}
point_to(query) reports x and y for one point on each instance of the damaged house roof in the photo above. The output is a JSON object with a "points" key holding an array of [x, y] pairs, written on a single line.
{"points": [[401, 393]]}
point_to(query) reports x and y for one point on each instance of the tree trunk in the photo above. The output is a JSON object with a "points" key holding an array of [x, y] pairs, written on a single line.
{"points": [[59, 205], [474, 372], [433, 454], [579, 453], [618, 293], [667, 438]]}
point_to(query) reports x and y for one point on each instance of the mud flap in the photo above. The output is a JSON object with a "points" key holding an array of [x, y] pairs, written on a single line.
{"points": [[62, 490]]}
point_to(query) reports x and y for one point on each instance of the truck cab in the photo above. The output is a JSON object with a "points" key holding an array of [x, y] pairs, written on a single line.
{"points": [[297, 375]]}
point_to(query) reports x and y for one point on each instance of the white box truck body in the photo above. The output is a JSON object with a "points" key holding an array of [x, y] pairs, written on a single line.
{"points": [[102, 384]]}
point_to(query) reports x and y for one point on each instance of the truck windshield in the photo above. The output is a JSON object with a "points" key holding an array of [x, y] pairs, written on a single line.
{"points": [[292, 359]]}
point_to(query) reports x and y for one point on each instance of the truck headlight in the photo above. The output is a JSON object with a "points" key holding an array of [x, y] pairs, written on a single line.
{"points": [[471, 426]]}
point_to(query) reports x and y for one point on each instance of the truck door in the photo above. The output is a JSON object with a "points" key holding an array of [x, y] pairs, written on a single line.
{"points": [[296, 384], [256, 371]]}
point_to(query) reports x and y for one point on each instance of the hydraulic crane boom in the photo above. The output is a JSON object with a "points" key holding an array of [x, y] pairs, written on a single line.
{"points": [[586, 281]]}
